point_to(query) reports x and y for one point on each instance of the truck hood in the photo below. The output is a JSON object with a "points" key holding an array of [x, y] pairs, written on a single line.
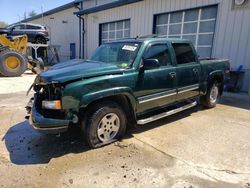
{"points": [[77, 69]]}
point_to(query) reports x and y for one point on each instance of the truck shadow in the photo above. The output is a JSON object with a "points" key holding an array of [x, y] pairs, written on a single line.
{"points": [[26, 146], [235, 100]]}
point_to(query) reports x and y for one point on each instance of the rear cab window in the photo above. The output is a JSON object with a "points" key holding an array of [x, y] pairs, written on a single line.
{"points": [[184, 53]]}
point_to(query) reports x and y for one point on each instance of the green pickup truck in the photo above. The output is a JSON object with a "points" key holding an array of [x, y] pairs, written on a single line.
{"points": [[129, 81]]}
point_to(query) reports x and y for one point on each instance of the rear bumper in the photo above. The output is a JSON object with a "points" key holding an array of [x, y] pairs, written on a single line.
{"points": [[46, 125]]}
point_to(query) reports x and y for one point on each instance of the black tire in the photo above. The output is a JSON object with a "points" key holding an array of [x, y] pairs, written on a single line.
{"points": [[207, 100], [94, 122], [18, 70], [40, 40]]}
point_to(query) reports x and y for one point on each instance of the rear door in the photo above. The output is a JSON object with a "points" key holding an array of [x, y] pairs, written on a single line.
{"points": [[188, 70], [31, 31], [156, 87]]}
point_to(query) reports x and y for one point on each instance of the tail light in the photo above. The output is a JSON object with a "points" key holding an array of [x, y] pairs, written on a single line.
{"points": [[46, 30], [228, 70]]}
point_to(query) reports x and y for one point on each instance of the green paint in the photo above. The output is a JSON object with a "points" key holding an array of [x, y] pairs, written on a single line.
{"points": [[85, 81]]}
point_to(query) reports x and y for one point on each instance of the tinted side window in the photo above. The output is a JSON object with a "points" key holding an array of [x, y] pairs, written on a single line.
{"points": [[184, 53], [18, 27], [32, 27], [159, 52]]}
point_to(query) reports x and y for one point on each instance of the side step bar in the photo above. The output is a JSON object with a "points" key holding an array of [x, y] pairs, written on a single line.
{"points": [[165, 114]]}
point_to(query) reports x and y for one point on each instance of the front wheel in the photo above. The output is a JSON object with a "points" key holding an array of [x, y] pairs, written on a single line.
{"points": [[12, 63], [106, 123], [210, 99]]}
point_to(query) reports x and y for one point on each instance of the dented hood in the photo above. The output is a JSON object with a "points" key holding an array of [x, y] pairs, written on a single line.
{"points": [[77, 69]]}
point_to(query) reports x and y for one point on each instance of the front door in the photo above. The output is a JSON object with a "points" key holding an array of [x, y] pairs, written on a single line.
{"points": [[156, 87], [188, 71], [18, 30]]}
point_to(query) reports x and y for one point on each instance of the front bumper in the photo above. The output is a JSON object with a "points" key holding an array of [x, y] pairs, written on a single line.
{"points": [[46, 125]]}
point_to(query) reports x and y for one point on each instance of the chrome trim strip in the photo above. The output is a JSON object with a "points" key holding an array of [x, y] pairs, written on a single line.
{"points": [[165, 114], [190, 89], [158, 97], [148, 99]]}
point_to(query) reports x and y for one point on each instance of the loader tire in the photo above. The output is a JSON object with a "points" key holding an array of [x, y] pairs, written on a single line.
{"points": [[12, 63]]}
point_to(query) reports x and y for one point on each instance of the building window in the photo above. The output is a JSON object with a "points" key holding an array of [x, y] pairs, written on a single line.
{"points": [[114, 30], [197, 25]]}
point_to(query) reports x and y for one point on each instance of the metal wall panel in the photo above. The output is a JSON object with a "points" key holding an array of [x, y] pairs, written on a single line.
{"points": [[232, 33]]}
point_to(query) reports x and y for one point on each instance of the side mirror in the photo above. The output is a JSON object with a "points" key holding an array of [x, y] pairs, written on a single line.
{"points": [[149, 64]]}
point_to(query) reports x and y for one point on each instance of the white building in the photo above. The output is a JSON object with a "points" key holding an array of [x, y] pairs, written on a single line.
{"points": [[63, 27], [218, 28]]}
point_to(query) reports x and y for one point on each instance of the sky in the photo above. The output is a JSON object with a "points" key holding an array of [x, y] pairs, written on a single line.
{"points": [[12, 11]]}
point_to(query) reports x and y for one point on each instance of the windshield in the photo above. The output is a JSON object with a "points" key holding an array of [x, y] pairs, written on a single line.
{"points": [[122, 54], [10, 26]]}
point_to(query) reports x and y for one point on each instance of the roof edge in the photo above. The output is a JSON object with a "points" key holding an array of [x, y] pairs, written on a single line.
{"points": [[115, 4], [52, 11]]}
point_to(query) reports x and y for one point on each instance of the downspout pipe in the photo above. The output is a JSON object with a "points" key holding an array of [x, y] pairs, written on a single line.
{"points": [[80, 32], [81, 36]]}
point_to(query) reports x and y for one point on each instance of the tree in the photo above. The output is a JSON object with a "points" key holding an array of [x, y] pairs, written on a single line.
{"points": [[3, 24], [24, 16], [32, 13]]}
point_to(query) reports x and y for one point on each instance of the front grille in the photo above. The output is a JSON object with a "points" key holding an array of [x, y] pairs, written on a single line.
{"points": [[55, 114]]}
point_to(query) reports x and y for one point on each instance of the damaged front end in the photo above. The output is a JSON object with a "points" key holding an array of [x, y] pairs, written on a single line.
{"points": [[45, 108]]}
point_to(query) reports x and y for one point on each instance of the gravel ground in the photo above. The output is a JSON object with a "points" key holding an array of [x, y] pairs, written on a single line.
{"points": [[195, 148]]}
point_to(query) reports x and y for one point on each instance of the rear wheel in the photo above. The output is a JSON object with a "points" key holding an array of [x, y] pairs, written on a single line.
{"points": [[41, 40], [106, 123], [210, 99], [12, 63]]}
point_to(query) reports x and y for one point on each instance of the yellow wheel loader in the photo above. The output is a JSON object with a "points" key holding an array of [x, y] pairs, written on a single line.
{"points": [[13, 61]]}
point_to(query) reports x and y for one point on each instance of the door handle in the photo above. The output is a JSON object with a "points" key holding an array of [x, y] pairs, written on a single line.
{"points": [[196, 71], [172, 75]]}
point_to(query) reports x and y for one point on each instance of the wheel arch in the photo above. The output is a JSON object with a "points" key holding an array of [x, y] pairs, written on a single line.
{"points": [[39, 35], [124, 99], [218, 77]]}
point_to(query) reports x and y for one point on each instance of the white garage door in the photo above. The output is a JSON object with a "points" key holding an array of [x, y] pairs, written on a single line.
{"points": [[197, 25]]}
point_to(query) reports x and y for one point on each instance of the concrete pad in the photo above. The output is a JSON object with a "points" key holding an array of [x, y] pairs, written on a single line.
{"points": [[16, 84], [195, 148], [209, 139]]}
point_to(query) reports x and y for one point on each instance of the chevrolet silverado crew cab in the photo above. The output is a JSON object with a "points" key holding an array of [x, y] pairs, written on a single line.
{"points": [[131, 80]]}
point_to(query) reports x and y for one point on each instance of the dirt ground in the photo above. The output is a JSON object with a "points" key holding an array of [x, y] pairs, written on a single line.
{"points": [[195, 148]]}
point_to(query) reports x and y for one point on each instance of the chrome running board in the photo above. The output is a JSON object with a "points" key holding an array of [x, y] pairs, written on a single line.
{"points": [[165, 114]]}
